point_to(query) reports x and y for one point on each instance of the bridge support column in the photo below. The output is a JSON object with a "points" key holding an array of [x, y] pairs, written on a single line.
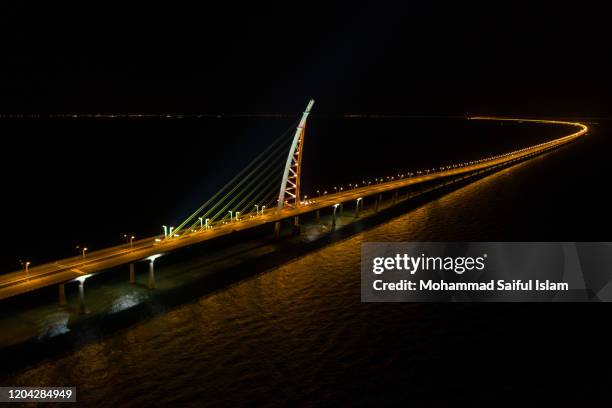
{"points": [[378, 200], [296, 224], [341, 209], [132, 274], [82, 307], [151, 279], [62, 294], [318, 216], [394, 197], [333, 224], [358, 207], [277, 229]]}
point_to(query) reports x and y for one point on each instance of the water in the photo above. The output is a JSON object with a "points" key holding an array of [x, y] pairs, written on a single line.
{"points": [[298, 334]]}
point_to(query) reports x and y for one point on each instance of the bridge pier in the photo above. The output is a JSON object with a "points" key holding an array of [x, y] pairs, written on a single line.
{"points": [[81, 302], [296, 224], [341, 209], [395, 194], [132, 274], [318, 216], [407, 195], [333, 224], [151, 278], [277, 229], [377, 204], [62, 294], [358, 206]]}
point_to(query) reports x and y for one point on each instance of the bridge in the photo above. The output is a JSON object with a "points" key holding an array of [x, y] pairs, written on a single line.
{"points": [[265, 192]]}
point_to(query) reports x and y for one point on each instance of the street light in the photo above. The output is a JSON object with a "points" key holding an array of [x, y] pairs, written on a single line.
{"points": [[131, 239], [231, 213], [165, 231], [26, 266], [82, 250]]}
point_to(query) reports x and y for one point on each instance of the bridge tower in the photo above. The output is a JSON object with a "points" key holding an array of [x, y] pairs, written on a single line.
{"points": [[289, 193]]}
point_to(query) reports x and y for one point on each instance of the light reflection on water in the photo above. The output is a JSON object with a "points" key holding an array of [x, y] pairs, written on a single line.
{"points": [[54, 324], [298, 332], [125, 301]]}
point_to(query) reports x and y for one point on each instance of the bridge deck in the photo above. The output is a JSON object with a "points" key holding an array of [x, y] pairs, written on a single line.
{"points": [[66, 270]]}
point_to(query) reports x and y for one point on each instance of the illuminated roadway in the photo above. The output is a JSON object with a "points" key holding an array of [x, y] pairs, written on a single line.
{"points": [[69, 269]]}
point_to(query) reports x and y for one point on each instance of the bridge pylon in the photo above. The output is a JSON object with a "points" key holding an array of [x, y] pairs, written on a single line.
{"points": [[289, 194]]}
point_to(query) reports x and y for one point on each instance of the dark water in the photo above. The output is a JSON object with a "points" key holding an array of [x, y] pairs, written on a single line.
{"points": [[299, 334]]}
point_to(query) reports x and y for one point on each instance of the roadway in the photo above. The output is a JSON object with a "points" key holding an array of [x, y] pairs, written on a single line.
{"points": [[75, 268]]}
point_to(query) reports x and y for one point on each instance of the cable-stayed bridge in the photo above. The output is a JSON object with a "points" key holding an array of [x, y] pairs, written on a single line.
{"points": [[267, 191]]}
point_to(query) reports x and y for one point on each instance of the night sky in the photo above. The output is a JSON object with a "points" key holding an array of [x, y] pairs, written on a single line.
{"points": [[90, 181], [429, 57]]}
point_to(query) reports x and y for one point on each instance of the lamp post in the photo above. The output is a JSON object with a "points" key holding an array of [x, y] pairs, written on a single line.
{"points": [[231, 213], [130, 239], [206, 223], [200, 218], [256, 209], [82, 251], [26, 266], [165, 231]]}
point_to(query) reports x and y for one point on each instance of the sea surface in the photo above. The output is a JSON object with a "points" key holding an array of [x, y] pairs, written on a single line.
{"points": [[298, 334]]}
